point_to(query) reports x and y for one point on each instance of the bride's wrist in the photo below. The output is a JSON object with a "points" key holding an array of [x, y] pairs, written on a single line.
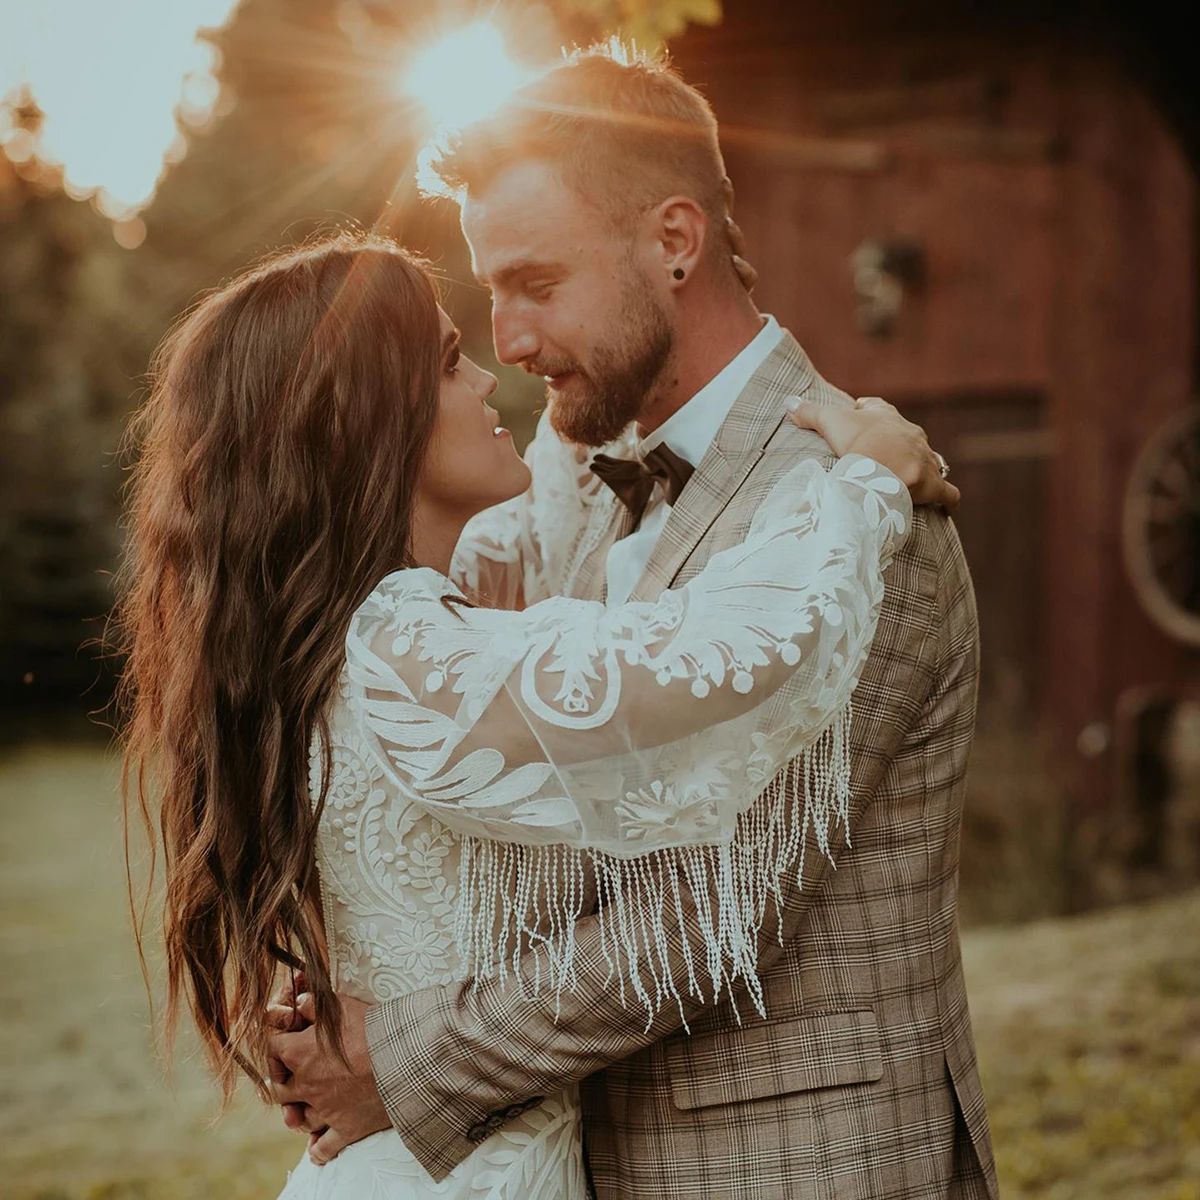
{"points": [[905, 461]]}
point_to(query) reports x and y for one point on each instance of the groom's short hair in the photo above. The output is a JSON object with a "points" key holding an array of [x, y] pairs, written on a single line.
{"points": [[620, 127]]}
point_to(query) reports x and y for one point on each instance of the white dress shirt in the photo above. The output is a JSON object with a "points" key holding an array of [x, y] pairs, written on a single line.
{"points": [[688, 432]]}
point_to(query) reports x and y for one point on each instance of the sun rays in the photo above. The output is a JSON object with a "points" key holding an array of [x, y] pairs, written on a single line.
{"points": [[464, 76]]}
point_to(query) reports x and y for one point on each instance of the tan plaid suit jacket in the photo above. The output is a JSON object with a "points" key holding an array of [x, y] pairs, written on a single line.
{"points": [[861, 1082]]}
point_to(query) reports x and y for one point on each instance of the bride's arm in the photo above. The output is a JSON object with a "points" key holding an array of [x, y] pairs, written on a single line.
{"points": [[497, 560], [510, 556], [483, 716]]}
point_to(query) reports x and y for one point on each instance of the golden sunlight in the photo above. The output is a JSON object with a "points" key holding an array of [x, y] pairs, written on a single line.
{"points": [[464, 76], [116, 83]]}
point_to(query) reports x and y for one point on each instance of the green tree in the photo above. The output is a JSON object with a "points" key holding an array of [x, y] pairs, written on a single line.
{"points": [[70, 312]]}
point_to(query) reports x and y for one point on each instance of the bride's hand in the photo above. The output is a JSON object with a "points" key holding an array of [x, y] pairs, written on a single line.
{"points": [[874, 428], [341, 1101], [284, 1016]]}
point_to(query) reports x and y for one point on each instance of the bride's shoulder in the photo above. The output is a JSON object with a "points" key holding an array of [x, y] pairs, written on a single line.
{"points": [[408, 586]]}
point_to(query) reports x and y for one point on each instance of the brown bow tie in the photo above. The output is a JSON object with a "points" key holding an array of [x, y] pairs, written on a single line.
{"points": [[633, 479]]}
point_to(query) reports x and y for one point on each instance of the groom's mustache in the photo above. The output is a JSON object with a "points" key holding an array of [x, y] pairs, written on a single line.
{"points": [[548, 370]]}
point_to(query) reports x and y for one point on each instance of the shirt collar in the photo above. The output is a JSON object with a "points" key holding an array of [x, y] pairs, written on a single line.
{"points": [[692, 429]]}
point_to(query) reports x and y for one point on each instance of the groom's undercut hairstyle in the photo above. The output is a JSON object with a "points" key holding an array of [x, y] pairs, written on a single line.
{"points": [[620, 127]]}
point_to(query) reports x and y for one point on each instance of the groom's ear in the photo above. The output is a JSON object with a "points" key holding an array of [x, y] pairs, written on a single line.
{"points": [[680, 231]]}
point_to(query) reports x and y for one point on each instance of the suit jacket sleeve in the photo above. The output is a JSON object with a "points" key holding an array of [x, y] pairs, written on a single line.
{"points": [[447, 1058]]}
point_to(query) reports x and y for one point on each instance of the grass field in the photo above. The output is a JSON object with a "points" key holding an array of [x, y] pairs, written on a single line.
{"points": [[1088, 1032]]}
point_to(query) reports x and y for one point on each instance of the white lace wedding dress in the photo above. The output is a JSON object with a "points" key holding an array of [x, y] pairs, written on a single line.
{"points": [[621, 735]]}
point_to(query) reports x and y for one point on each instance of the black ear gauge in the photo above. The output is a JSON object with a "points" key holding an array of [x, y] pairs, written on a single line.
{"points": [[678, 272]]}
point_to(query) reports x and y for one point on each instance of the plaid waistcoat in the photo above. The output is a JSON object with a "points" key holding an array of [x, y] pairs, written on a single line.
{"points": [[861, 1082]]}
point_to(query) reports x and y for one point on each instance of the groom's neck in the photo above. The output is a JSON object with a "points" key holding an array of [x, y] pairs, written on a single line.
{"points": [[715, 325]]}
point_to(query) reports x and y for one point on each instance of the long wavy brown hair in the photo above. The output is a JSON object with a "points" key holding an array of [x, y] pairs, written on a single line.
{"points": [[276, 463]]}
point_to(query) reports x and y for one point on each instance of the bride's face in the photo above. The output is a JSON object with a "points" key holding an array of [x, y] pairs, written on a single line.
{"points": [[472, 462]]}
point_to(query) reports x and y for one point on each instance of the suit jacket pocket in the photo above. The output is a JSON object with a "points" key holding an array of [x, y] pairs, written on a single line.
{"points": [[819, 1050]]}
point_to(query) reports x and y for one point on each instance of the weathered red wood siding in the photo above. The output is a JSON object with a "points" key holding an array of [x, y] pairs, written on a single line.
{"points": [[1057, 216]]}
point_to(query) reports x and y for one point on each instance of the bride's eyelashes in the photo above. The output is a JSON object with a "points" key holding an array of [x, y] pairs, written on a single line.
{"points": [[452, 361]]}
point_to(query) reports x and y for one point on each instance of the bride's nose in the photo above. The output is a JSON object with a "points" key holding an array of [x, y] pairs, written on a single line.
{"points": [[489, 383]]}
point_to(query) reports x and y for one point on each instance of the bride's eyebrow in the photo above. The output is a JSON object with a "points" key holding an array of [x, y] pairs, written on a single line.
{"points": [[450, 344]]}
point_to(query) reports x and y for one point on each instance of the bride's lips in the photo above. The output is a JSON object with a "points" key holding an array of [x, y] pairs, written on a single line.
{"points": [[498, 430]]}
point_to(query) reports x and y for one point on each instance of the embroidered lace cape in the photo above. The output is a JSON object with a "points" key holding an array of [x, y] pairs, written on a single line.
{"points": [[644, 742]]}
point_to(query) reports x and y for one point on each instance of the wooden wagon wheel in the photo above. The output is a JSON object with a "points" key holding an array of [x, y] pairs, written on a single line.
{"points": [[1161, 526]]}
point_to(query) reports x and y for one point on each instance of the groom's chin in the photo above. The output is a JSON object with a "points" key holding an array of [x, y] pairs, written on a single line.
{"points": [[582, 418]]}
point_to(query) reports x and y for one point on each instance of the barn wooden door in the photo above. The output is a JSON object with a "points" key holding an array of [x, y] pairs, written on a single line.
{"points": [[998, 449]]}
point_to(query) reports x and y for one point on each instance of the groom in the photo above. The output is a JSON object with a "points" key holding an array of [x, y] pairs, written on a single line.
{"points": [[596, 210]]}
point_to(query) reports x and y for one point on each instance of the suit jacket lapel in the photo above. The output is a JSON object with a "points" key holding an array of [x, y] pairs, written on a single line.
{"points": [[739, 444]]}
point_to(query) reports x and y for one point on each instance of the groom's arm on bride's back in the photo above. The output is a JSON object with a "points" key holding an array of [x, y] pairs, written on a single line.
{"points": [[449, 1060]]}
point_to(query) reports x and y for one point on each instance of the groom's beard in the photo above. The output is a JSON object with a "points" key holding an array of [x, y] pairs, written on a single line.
{"points": [[599, 402]]}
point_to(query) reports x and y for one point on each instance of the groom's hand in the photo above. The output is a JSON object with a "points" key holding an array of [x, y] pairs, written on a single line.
{"points": [[341, 1102], [284, 1016]]}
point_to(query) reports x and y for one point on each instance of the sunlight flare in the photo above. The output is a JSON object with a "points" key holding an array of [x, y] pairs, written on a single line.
{"points": [[463, 77], [116, 85]]}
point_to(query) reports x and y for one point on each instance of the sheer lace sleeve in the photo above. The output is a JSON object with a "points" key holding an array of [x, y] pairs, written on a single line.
{"points": [[637, 734], [520, 552]]}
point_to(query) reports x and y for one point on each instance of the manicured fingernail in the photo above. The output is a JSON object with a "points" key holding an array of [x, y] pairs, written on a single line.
{"points": [[792, 403]]}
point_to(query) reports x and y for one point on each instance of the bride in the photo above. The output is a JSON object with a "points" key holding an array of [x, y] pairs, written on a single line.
{"points": [[357, 768]]}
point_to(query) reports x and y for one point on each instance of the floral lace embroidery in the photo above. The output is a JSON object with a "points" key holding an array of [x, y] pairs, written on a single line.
{"points": [[389, 876], [641, 730], [389, 871]]}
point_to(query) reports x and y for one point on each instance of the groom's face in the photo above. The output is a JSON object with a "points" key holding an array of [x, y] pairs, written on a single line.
{"points": [[573, 299]]}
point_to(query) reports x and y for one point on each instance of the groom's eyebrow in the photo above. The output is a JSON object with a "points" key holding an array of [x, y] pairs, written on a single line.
{"points": [[515, 268]]}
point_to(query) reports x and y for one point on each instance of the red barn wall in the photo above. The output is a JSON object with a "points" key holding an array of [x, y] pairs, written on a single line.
{"points": [[1054, 327]]}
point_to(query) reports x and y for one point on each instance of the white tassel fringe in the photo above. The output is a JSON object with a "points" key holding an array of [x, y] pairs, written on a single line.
{"points": [[517, 900]]}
